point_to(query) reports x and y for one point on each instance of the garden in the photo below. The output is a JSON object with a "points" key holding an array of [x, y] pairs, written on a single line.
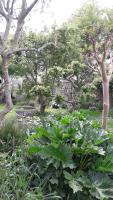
{"points": [[56, 106]]}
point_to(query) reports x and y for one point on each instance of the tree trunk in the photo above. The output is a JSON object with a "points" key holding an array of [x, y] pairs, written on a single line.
{"points": [[105, 104], [7, 87], [42, 108]]}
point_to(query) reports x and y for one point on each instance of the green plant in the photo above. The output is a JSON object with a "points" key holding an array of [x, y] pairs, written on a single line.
{"points": [[69, 149], [19, 180], [44, 96], [59, 99], [11, 136]]}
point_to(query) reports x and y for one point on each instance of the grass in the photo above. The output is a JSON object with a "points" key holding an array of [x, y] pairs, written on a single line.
{"points": [[1, 107], [11, 115], [91, 114], [97, 115]]}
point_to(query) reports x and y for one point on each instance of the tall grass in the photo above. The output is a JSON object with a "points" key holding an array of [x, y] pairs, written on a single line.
{"points": [[11, 136]]}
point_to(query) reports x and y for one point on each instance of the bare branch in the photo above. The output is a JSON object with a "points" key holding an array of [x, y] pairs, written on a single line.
{"points": [[25, 12], [2, 11], [69, 80], [94, 67], [3, 2], [12, 5], [12, 51], [7, 7]]}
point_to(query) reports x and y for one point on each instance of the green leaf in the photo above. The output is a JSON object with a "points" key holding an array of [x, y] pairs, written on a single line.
{"points": [[104, 164], [102, 187], [75, 186], [62, 153], [69, 165], [65, 120], [34, 149], [67, 175], [54, 181]]}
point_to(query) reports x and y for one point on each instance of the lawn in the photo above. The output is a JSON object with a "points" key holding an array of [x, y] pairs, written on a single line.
{"points": [[97, 115]]}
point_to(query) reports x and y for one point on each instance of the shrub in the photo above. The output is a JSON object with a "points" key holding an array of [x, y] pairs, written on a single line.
{"points": [[18, 180], [11, 136], [75, 157]]}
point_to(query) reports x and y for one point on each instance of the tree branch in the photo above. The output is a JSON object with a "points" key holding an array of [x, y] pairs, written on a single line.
{"points": [[7, 7], [12, 5], [10, 52], [95, 53], [70, 81], [2, 11], [25, 12]]}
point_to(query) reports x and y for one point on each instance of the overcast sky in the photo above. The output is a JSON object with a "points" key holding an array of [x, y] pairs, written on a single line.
{"points": [[58, 12]]}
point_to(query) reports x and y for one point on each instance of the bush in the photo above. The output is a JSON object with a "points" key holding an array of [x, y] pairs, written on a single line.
{"points": [[11, 136], [16, 179], [19, 180], [74, 157]]}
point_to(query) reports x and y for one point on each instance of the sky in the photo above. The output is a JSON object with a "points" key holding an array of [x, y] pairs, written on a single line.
{"points": [[58, 12]]}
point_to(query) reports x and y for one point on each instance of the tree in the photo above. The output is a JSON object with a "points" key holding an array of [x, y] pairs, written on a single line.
{"points": [[33, 66], [68, 61], [7, 12], [43, 95], [77, 74], [96, 33]]}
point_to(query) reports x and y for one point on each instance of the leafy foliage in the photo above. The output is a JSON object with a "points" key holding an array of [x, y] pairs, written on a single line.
{"points": [[11, 136], [18, 180], [44, 95], [69, 151]]}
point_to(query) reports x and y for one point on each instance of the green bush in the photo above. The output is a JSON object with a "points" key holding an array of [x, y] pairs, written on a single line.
{"points": [[74, 157], [11, 136], [19, 180]]}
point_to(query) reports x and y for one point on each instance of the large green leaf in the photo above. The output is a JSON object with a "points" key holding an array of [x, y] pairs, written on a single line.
{"points": [[73, 183], [75, 186], [104, 164], [102, 187], [62, 153], [34, 149], [67, 175]]}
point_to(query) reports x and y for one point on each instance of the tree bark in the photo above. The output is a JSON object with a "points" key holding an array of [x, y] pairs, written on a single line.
{"points": [[7, 87], [105, 103]]}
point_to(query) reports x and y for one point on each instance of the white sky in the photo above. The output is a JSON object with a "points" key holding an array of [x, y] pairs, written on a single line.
{"points": [[58, 12]]}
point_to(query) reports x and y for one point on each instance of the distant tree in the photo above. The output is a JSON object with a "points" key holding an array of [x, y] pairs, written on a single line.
{"points": [[33, 66], [42, 94], [69, 56], [95, 30]]}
